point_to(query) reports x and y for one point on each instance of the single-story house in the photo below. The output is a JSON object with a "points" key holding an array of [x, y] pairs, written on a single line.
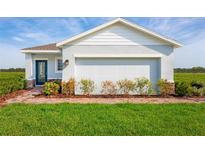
{"points": [[112, 51]]}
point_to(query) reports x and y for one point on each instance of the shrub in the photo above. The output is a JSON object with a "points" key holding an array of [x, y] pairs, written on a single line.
{"points": [[68, 87], [108, 88], [59, 83], [125, 86], [193, 88], [196, 88], [87, 86], [51, 88], [197, 84], [181, 88], [143, 86], [193, 91], [165, 87], [204, 91]]}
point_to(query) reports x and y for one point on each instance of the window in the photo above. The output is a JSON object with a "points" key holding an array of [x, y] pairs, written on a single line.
{"points": [[59, 64]]}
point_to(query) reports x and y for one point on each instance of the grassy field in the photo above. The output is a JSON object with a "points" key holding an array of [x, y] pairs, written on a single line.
{"points": [[11, 81], [5, 75], [99, 119], [189, 77], [177, 76]]}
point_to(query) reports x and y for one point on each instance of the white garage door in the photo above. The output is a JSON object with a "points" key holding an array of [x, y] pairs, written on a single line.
{"points": [[101, 69]]}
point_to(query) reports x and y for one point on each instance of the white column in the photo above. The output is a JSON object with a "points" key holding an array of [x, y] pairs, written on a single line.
{"points": [[69, 70], [29, 66], [167, 69]]}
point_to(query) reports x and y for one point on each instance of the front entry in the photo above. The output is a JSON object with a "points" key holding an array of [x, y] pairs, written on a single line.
{"points": [[41, 72]]}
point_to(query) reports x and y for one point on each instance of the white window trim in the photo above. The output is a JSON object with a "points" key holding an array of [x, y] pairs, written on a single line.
{"points": [[56, 64], [40, 59]]}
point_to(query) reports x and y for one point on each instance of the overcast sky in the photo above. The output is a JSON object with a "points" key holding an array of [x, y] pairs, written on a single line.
{"points": [[17, 33]]}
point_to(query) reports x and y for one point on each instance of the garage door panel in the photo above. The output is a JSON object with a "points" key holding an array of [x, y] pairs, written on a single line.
{"points": [[101, 69], [110, 72]]}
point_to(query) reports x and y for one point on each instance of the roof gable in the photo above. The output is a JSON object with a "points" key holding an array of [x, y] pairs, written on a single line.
{"points": [[124, 22], [118, 34]]}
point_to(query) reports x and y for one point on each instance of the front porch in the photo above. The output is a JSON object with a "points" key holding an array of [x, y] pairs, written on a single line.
{"points": [[43, 67]]}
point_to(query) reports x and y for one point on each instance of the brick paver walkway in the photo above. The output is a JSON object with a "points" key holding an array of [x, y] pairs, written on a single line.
{"points": [[29, 97]]}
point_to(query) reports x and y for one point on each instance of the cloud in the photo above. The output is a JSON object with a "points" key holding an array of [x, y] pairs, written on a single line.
{"points": [[35, 31], [35, 35], [182, 29], [45, 30], [73, 25], [185, 30], [18, 39], [85, 21]]}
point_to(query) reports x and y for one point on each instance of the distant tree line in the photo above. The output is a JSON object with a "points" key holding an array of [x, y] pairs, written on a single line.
{"points": [[13, 70], [190, 70], [176, 70]]}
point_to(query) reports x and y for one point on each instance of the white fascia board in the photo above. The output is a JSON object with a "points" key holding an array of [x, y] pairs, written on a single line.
{"points": [[117, 55], [135, 26], [40, 51]]}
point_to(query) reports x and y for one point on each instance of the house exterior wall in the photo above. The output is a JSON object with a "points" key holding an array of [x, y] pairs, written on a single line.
{"points": [[166, 60], [164, 63], [31, 66]]}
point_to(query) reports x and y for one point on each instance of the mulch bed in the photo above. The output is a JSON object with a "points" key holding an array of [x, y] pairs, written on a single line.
{"points": [[103, 96], [10, 95], [118, 96], [35, 96]]}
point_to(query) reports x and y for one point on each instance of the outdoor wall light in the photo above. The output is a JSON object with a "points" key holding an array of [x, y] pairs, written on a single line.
{"points": [[66, 62]]}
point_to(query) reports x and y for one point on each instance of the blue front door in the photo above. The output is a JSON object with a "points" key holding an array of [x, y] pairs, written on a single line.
{"points": [[41, 72]]}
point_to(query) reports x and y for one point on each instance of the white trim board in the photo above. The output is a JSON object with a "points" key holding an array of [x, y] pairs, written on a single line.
{"points": [[47, 78], [40, 58], [40, 51], [117, 55]]}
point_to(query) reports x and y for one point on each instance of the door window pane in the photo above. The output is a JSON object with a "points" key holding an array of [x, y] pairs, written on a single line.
{"points": [[41, 74]]}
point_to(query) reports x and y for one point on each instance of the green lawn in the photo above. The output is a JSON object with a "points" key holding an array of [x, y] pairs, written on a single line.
{"points": [[99, 119]]}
